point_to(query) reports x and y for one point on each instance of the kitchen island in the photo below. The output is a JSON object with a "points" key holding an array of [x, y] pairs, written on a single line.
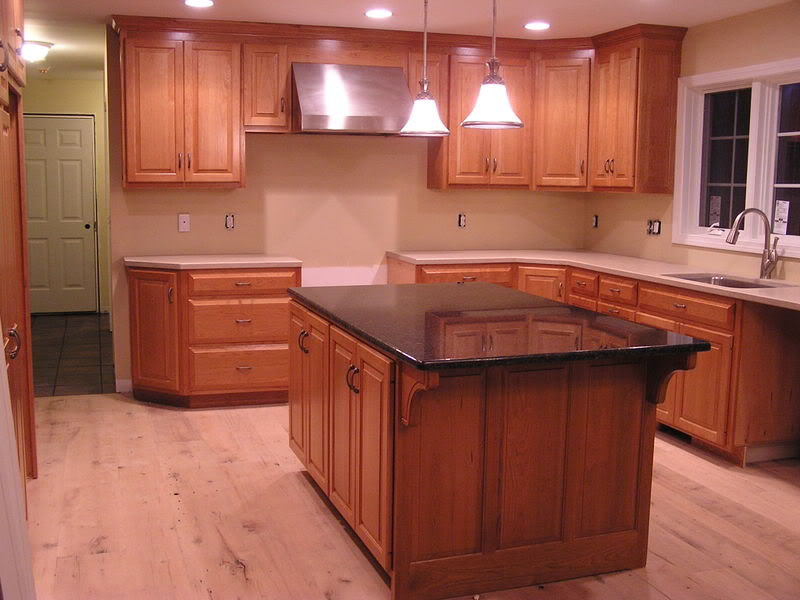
{"points": [[479, 438]]}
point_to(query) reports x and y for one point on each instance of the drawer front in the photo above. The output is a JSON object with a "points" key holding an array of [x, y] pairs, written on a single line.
{"points": [[686, 307], [499, 274], [239, 368], [241, 283], [616, 311], [240, 320], [619, 291], [583, 282], [581, 302]]}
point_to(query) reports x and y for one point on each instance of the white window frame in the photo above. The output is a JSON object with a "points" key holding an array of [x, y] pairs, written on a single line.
{"points": [[764, 79]]}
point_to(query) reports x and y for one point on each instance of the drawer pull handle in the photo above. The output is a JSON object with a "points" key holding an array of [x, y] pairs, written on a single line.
{"points": [[614, 290], [678, 305], [613, 311], [244, 368], [13, 333], [244, 321], [243, 284], [560, 289], [469, 278], [580, 283], [171, 295], [300, 339], [353, 387], [347, 377]]}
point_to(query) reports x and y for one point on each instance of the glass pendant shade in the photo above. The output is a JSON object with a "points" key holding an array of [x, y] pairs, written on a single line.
{"points": [[424, 119], [493, 108]]}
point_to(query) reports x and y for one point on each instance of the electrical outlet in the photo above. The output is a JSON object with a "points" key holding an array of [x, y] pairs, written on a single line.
{"points": [[656, 227], [462, 220], [184, 223], [230, 221]]}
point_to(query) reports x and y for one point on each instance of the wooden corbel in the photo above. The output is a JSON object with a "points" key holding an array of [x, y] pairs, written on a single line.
{"points": [[660, 370], [413, 381]]}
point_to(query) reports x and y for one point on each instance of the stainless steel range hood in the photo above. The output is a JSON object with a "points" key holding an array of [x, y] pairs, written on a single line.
{"points": [[350, 99]]}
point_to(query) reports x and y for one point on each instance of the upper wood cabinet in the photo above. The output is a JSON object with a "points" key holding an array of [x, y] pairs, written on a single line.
{"points": [[182, 111], [561, 120], [483, 156], [12, 32], [437, 79], [633, 109], [266, 96]]}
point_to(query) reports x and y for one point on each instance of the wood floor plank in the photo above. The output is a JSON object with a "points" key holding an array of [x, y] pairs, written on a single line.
{"points": [[137, 501]]}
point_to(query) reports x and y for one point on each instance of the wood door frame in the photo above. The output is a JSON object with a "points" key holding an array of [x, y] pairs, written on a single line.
{"points": [[96, 228]]}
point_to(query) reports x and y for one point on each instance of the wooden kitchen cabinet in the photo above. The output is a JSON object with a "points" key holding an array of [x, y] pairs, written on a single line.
{"points": [[182, 112], [485, 157], [469, 337], [561, 119], [487, 273], [545, 281], [266, 91], [12, 34]]}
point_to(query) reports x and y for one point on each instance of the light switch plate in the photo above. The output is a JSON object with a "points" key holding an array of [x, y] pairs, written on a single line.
{"points": [[184, 223]]}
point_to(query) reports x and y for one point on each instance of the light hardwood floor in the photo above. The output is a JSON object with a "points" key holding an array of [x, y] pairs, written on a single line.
{"points": [[141, 502]]}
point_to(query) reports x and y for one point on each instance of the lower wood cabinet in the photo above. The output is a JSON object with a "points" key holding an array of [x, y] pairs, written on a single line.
{"points": [[548, 282], [340, 409], [215, 337], [499, 274]]}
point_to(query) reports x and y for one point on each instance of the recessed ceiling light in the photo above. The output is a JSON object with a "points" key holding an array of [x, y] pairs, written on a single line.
{"points": [[378, 13], [199, 3], [537, 26]]}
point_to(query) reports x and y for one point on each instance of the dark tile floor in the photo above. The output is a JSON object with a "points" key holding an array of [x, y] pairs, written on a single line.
{"points": [[72, 354]]}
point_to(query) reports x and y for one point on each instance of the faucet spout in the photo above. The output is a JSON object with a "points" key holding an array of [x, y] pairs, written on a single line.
{"points": [[769, 257]]}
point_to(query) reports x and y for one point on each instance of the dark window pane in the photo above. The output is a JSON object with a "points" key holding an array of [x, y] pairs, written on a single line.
{"points": [[788, 163], [740, 162], [723, 112], [790, 108], [743, 112], [717, 203], [738, 204], [720, 161], [792, 197]]}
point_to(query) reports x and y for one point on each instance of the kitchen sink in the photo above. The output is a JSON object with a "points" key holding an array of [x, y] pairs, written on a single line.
{"points": [[727, 280]]}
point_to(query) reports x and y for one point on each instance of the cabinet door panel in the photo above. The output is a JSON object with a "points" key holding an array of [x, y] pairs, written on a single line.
{"points": [[343, 425], [548, 282], [704, 405], [601, 142], [154, 104], [551, 336], [266, 86], [469, 148], [374, 482], [626, 70], [213, 112], [561, 123], [297, 408], [507, 338], [315, 388], [511, 148], [154, 329], [665, 412], [464, 340]]}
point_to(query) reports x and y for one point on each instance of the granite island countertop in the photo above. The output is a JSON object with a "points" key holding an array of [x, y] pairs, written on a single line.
{"points": [[785, 295], [448, 325], [212, 261]]}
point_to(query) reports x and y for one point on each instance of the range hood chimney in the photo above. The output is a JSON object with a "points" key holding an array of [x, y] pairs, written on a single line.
{"points": [[352, 99]]}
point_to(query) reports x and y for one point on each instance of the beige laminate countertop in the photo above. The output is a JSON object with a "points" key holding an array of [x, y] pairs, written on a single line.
{"points": [[212, 261], [785, 296]]}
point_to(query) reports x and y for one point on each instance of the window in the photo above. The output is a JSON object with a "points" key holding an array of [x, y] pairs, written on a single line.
{"points": [[738, 146]]}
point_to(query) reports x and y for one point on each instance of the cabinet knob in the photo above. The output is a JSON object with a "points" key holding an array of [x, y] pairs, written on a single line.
{"points": [[678, 305]]}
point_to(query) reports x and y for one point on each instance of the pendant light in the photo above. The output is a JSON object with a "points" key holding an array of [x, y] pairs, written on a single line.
{"points": [[424, 119], [493, 109]]}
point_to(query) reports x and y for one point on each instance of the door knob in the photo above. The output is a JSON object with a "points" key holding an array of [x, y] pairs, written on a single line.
{"points": [[87, 226]]}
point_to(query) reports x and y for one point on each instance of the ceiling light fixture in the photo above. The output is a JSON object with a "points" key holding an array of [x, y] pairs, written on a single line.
{"points": [[379, 13], [199, 3], [537, 26], [493, 109], [424, 119], [33, 51]]}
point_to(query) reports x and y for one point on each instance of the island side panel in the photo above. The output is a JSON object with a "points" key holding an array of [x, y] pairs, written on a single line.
{"points": [[511, 476]]}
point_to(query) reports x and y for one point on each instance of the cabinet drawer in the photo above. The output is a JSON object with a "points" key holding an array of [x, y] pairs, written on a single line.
{"points": [[241, 283], [620, 291], [239, 368], [616, 311], [239, 320], [583, 282], [688, 307], [581, 302], [499, 274]]}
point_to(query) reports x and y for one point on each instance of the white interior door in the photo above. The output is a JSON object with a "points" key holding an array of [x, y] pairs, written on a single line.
{"points": [[62, 243]]}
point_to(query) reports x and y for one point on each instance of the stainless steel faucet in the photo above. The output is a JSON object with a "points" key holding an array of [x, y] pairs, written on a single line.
{"points": [[769, 258]]}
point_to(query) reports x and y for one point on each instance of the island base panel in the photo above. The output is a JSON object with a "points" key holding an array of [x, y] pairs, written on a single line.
{"points": [[211, 400], [513, 476]]}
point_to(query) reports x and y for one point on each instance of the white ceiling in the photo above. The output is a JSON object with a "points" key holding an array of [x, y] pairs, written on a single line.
{"points": [[65, 22]]}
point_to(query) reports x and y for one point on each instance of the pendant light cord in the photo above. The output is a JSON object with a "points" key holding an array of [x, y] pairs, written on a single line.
{"points": [[425, 48], [494, 26]]}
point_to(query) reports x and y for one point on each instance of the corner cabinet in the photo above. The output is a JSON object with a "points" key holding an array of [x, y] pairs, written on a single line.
{"points": [[341, 394], [266, 95], [182, 112]]}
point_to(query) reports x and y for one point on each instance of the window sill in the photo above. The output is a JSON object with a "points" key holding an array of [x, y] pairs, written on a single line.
{"points": [[716, 242]]}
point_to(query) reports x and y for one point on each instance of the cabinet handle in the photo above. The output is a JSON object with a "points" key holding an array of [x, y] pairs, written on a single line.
{"points": [[171, 295], [613, 311], [483, 344], [353, 387], [283, 105], [612, 166], [243, 284], [614, 290], [189, 160], [300, 339], [243, 321], [180, 160], [13, 334], [677, 305], [486, 165], [608, 162], [491, 342], [580, 283], [347, 377], [4, 64], [577, 343], [469, 278], [583, 166], [244, 368], [560, 289], [494, 165]]}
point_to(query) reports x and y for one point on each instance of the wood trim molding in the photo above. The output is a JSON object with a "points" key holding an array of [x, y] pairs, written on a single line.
{"points": [[640, 31], [660, 371], [412, 382]]}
